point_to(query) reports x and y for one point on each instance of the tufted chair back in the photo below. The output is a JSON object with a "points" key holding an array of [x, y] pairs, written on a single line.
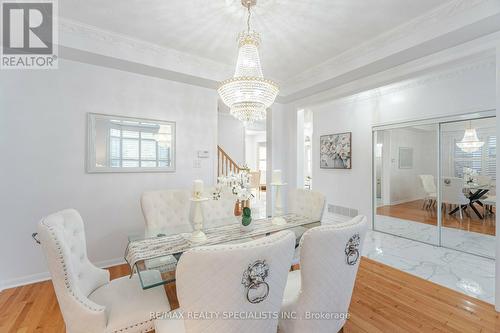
{"points": [[217, 279], [329, 261], [452, 191], [74, 277], [219, 212], [428, 184], [167, 210], [483, 180], [306, 203]]}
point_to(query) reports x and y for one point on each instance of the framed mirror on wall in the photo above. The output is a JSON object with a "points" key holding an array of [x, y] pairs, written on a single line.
{"points": [[126, 144]]}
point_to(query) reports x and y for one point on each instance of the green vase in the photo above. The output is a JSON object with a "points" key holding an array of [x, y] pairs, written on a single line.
{"points": [[247, 217]]}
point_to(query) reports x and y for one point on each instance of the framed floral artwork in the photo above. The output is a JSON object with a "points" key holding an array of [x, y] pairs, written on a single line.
{"points": [[335, 151]]}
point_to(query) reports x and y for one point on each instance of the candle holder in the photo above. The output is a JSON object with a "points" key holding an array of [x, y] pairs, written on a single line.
{"points": [[278, 207], [198, 236]]}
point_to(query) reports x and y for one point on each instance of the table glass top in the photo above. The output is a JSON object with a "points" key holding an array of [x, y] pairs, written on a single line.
{"points": [[154, 253]]}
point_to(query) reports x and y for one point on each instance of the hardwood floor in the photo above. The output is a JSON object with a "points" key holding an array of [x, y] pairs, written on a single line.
{"points": [[413, 211], [384, 300]]}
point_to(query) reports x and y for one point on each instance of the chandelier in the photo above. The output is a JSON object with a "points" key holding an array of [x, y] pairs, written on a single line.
{"points": [[248, 94], [470, 143]]}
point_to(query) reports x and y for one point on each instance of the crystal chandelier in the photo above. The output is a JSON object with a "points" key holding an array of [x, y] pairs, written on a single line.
{"points": [[470, 143], [248, 94]]}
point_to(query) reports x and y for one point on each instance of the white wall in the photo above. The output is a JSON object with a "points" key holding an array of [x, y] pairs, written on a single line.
{"points": [[43, 139], [279, 139], [289, 144], [347, 188], [278, 145], [252, 141], [451, 92], [308, 131], [231, 137], [404, 184]]}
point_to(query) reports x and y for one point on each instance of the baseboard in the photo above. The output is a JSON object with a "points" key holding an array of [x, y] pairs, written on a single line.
{"points": [[22, 281], [110, 263], [39, 277], [397, 202]]}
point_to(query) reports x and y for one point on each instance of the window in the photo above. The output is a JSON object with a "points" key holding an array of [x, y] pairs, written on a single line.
{"points": [[491, 157], [482, 161], [138, 146]]}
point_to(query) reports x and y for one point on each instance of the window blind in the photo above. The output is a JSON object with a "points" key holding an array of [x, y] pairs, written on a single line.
{"points": [[482, 161], [137, 147]]}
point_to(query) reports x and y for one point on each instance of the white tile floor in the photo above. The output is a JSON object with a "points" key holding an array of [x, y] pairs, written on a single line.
{"points": [[462, 240], [466, 273]]}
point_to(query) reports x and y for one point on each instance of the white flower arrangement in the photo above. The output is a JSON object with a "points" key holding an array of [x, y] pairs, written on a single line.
{"points": [[469, 175], [239, 183]]}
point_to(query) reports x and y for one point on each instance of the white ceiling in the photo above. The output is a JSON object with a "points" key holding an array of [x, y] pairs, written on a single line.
{"points": [[296, 34]]}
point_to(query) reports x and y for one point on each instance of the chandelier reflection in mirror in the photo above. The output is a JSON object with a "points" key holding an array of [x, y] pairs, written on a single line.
{"points": [[470, 143], [248, 94]]}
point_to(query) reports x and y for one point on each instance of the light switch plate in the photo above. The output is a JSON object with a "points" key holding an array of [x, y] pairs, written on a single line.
{"points": [[203, 154]]}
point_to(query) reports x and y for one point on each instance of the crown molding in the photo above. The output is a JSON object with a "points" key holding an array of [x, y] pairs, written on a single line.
{"points": [[425, 80], [451, 71], [96, 59], [469, 54], [449, 17], [80, 36]]}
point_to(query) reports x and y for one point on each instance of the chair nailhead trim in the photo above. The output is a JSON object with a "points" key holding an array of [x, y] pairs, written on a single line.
{"points": [[147, 323], [66, 278], [146, 329]]}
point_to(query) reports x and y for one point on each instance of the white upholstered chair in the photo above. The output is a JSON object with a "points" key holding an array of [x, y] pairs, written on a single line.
{"points": [[166, 212], [218, 212], [306, 203], [488, 204], [329, 261], [430, 190], [483, 180], [255, 182], [88, 300], [453, 194], [169, 211], [241, 278]]}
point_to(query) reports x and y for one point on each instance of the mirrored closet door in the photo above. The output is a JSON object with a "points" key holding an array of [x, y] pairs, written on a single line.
{"points": [[434, 182], [468, 193], [405, 164]]}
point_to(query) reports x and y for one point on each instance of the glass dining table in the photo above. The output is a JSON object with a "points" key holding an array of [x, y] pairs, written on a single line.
{"points": [[474, 192], [153, 254]]}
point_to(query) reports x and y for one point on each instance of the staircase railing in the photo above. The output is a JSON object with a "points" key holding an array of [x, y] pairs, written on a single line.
{"points": [[225, 164]]}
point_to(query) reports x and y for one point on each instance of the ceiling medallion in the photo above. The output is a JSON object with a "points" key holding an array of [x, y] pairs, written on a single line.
{"points": [[248, 94], [470, 143]]}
